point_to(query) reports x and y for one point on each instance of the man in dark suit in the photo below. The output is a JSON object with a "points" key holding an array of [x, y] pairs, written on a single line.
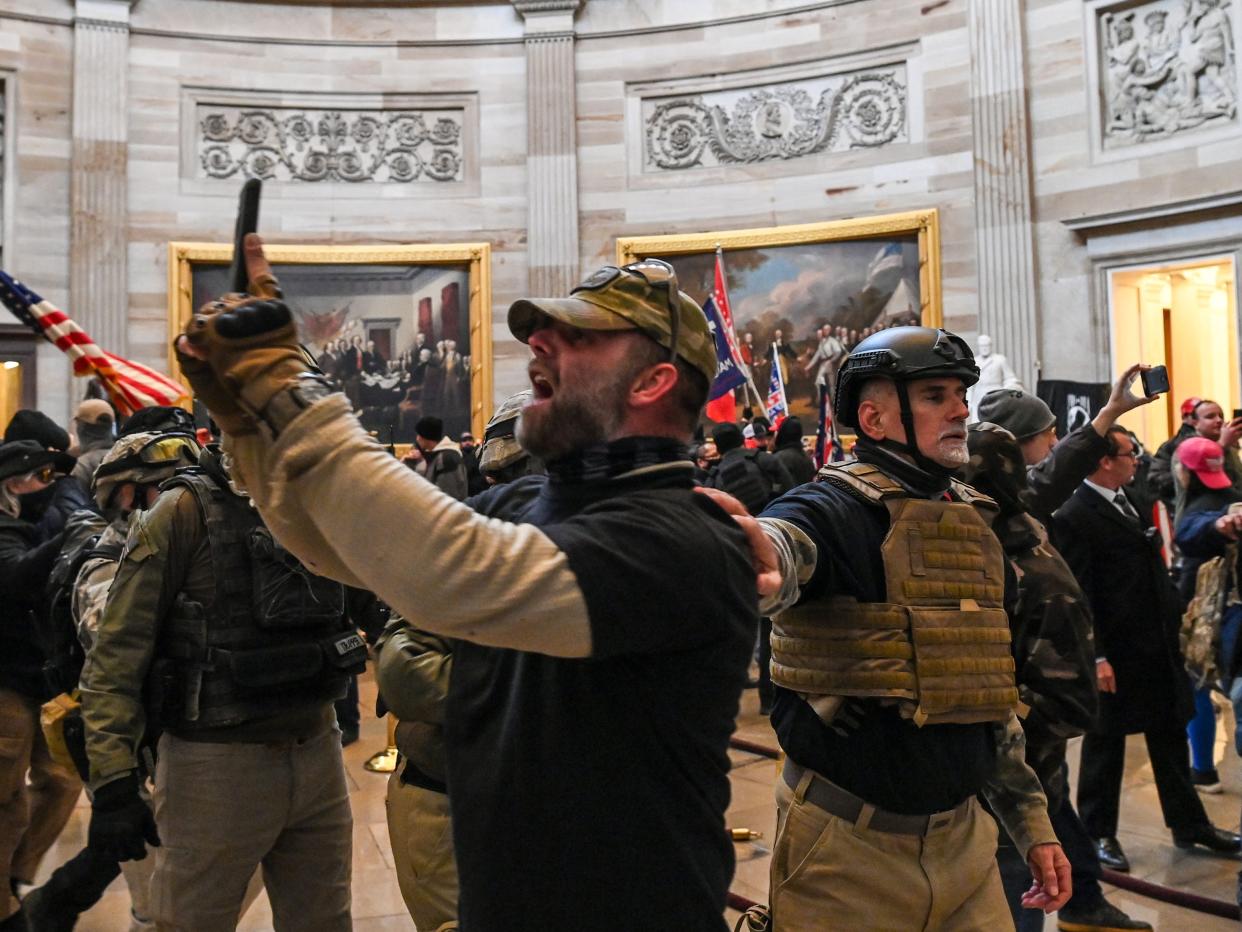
{"points": [[1143, 687]]}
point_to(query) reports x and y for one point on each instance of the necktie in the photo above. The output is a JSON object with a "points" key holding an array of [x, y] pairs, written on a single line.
{"points": [[1123, 503]]}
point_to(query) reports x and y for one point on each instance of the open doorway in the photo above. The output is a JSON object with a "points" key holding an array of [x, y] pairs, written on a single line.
{"points": [[1182, 315]]}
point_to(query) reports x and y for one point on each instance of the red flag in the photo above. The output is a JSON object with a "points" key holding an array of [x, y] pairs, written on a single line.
{"points": [[722, 409], [131, 386]]}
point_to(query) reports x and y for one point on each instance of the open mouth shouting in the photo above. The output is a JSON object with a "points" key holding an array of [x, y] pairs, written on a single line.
{"points": [[541, 385]]}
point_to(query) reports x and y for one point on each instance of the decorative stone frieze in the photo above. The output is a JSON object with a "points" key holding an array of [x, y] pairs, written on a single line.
{"points": [[300, 144], [833, 113], [1165, 68]]}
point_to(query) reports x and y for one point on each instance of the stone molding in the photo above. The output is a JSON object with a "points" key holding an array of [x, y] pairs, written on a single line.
{"points": [[776, 122], [1004, 245], [420, 143], [300, 144]]}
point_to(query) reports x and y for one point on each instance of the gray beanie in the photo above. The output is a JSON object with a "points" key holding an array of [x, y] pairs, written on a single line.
{"points": [[1021, 414]]}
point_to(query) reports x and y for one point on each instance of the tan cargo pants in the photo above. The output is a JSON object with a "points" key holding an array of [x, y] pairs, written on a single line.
{"points": [[420, 831], [224, 809], [829, 874], [32, 813]]}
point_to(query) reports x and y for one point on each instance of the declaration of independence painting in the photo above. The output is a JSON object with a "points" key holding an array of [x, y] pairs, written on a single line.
{"points": [[806, 295], [398, 337]]}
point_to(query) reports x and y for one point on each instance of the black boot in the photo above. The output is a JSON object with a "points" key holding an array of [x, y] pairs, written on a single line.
{"points": [[44, 914], [1102, 917]]}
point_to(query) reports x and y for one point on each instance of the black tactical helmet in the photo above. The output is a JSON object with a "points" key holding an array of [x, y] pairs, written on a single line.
{"points": [[901, 354]]}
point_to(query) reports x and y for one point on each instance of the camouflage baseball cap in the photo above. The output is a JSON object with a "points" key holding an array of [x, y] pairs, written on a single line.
{"points": [[634, 297]]}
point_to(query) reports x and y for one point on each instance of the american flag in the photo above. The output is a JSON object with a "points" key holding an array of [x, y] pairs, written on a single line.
{"points": [[130, 385], [778, 403]]}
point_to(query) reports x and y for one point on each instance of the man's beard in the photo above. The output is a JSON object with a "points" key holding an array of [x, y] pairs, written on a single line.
{"points": [[574, 418], [952, 452]]}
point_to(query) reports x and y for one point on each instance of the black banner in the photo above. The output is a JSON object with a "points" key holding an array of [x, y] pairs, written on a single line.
{"points": [[1074, 403]]}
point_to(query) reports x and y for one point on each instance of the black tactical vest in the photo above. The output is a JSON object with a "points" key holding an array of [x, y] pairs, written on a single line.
{"points": [[275, 637]]}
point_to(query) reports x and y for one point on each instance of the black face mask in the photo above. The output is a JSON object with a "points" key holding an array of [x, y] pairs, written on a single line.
{"points": [[34, 504]]}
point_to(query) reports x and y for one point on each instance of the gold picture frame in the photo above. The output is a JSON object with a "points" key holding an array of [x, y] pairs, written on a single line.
{"points": [[791, 286], [185, 260], [925, 224]]}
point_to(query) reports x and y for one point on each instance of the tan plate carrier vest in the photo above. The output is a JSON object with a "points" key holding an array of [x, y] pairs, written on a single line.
{"points": [[939, 647]]}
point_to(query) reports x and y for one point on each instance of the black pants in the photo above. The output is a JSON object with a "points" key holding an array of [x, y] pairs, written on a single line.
{"points": [[77, 885], [1103, 764], [347, 714]]}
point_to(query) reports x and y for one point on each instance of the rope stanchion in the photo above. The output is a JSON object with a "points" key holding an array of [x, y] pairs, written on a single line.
{"points": [[754, 747], [1155, 891], [385, 761]]}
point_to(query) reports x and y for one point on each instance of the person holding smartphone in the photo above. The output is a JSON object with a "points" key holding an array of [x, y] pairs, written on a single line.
{"points": [[1209, 421]]}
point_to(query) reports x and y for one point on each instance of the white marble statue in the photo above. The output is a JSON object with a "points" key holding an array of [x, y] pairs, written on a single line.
{"points": [[994, 372]]}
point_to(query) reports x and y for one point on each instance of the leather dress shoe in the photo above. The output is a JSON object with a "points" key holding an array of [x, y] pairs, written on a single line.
{"points": [[1111, 856], [1102, 917], [1210, 837]]}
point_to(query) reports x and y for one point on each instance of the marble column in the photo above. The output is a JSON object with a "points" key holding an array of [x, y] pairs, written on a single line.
{"points": [[1004, 236], [552, 148], [98, 271]]}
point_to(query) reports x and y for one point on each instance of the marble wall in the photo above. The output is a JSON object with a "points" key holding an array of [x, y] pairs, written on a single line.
{"points": [[1021, 137]]}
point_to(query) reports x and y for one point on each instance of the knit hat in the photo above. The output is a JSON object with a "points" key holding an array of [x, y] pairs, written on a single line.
{"points": [[35, 425], [1206, 459], [727, 437], [789, 431], [1021, 414], [430, 428]]}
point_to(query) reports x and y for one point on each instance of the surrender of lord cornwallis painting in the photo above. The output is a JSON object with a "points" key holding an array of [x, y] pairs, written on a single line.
{"points": [[804, 296], [402, 330]]}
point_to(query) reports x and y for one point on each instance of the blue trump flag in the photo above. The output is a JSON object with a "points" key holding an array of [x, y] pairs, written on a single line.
{"points": [[729, 374]]}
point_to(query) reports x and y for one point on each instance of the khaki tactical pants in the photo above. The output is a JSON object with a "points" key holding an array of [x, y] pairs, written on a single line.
{"points": [[420, 831], [829, 874], [31, 814], [224, 809]]}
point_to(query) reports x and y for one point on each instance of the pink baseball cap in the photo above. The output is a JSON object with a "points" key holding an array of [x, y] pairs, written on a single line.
{"points": [[1206, 459]]}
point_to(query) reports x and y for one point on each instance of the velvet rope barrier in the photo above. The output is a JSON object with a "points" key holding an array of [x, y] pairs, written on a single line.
{"points": [[1200, 904]]}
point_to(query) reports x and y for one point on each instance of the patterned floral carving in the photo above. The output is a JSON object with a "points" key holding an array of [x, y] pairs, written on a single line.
{"points": [[1167, 67], [297, 144], [786, 121]]}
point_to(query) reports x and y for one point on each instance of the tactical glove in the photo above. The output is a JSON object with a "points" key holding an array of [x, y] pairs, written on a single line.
{"points": [[122, 825], [244, 349]]}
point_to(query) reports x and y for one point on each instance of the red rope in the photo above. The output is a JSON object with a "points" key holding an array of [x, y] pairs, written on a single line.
{"points": [[1200, 904]]}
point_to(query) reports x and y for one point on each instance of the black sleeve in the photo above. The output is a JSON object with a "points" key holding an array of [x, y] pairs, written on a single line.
{"points": [[1055, 479], [1072, 539], [633, 559], [24, 569]]}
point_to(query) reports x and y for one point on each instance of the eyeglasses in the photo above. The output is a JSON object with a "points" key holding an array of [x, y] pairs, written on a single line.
{"points": [[659, 274], [1132, 454], [44, 474]]}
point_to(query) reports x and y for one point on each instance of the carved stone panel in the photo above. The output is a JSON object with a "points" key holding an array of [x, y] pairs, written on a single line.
{"points": [[1165, 68], [776, 121], [333, 144]]}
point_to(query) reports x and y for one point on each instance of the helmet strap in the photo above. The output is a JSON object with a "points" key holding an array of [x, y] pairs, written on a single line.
{"points": [[911, 447]]}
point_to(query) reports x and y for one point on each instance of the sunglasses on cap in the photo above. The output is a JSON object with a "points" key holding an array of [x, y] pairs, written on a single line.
{"points": [[657, 274], [44, 474]]}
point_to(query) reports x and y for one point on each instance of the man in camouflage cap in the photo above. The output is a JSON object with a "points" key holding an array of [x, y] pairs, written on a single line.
{"points": [[604, 614], [1054, 657]]}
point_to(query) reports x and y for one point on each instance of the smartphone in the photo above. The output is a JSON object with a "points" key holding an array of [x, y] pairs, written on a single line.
{"points": [[1237, 413], [1155, 381]]}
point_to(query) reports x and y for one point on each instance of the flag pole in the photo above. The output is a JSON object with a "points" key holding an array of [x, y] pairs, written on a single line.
{"points": [[751, 391]]}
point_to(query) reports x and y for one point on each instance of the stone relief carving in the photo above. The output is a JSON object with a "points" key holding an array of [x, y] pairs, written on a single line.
{"points": [[1168, 67], [300, 144], [784, 121]]}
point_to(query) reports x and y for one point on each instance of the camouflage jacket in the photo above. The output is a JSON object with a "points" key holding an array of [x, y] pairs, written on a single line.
{"points": [[1053, 647]]}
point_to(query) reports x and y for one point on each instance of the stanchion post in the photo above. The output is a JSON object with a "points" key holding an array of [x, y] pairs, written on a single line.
{"points": [[385, 761]]}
